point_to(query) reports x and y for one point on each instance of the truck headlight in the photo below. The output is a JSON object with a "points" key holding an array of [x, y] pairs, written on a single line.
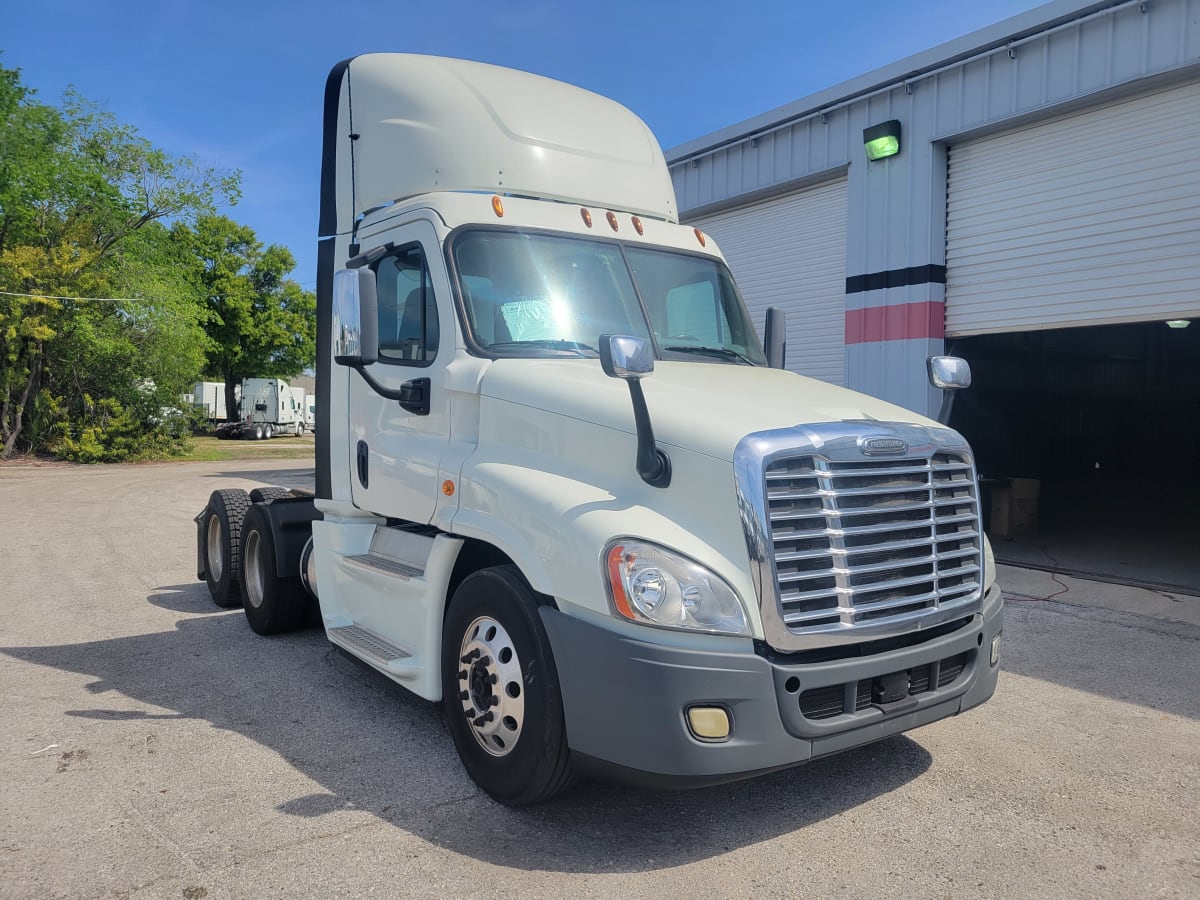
{"points": [[656, 586]]}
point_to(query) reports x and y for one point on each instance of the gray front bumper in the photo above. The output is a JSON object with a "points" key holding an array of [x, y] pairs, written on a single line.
{"points": [[626, 700]]}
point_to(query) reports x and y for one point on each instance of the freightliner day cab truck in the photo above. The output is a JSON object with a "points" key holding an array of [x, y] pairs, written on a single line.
{"points": [[558, 487], [268, 408]]}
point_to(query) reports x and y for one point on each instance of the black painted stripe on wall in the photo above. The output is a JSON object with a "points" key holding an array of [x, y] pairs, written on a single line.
{"points": [[876, 281]]}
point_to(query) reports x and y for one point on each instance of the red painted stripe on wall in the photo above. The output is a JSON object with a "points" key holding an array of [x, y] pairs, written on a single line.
{"points": [[902, 321]]}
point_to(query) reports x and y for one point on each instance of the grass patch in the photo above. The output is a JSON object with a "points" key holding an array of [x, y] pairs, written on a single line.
{"points": [[209, 449]]}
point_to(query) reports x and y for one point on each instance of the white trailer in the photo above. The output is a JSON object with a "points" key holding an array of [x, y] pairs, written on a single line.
{"points": [[560, 487], [210, 395]]}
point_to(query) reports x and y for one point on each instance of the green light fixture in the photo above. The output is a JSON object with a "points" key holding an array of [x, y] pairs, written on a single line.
{"points": [[882, 140]]}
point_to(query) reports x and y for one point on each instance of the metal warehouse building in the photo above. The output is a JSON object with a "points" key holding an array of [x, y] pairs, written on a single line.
{"points": [[1041, 219]]}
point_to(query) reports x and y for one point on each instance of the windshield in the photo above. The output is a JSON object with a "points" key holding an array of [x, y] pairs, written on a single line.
{"points": [[538, 295]]}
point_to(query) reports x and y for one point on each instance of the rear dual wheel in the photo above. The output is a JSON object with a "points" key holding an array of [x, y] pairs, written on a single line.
{"points": [[222, 525], [500, 688], [273, 603]]}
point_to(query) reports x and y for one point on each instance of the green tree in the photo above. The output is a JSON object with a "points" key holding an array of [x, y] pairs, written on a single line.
{"points": [[260, 323], [82, 198]]}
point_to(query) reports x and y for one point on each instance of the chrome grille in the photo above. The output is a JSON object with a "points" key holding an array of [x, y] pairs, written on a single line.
{"points": [[872, 541]]}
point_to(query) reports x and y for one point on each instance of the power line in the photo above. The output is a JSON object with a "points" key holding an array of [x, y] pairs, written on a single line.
{"points": [[97, 299]]}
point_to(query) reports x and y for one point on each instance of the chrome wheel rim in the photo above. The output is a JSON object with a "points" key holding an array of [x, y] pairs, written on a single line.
{"points": [[216, 559], [491, 689], [253, 575]]}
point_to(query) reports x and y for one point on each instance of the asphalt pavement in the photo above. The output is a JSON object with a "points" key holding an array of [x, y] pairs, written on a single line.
{"points": [[152, 746]]}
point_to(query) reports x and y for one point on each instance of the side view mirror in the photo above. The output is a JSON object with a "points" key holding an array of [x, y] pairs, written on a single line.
{"points": [[949, 373], [775, 337], [355, 318]]}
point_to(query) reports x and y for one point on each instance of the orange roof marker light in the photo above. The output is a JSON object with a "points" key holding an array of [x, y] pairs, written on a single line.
{"points": [[699, 236], [586, 216], [498, 206], [612, 219], [637, 225]]}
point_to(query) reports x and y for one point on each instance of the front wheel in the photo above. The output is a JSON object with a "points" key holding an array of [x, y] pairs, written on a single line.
{"points": [[500, 687]]}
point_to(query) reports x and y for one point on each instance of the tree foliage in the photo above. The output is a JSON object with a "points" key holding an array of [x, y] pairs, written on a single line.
{"points": [[90, 209], [259, 322]]}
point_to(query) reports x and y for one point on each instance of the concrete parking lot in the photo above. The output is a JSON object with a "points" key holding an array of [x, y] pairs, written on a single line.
{"points": [[152, 746]]}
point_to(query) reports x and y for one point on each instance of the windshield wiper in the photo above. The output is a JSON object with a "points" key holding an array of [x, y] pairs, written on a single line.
{"points": [[579, 348], [722, 352]]}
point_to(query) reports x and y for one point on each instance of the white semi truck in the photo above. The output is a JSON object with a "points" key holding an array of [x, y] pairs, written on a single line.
{"points": [[560, 486], [268, 408]]}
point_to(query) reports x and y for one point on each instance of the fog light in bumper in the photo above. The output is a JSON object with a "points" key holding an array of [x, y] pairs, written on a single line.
{"points": [[709, 723], [995, 649]]}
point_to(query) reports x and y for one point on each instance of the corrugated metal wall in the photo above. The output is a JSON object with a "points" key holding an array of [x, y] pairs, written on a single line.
{"points": [[1082, 55]]}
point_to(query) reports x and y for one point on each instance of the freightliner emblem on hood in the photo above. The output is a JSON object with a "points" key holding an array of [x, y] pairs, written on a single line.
{"points": [[882, 446]]}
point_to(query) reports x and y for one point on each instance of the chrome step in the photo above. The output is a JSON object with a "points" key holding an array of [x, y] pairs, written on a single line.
{"points": [[368, 644], [386, 564]]}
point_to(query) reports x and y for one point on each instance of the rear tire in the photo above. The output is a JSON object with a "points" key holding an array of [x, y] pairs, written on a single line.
{"points": [[269, 431], [519, 755], [273, 604], [223, 545]]}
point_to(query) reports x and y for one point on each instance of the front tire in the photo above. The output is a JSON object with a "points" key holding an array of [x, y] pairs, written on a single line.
{"points": [[500, 688], [273, 604], [223, 519]]}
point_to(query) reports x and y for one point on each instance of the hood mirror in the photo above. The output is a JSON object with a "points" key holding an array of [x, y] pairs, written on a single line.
{"points": [[775, 337], [632, 359], [948, 374], [626, 357]]}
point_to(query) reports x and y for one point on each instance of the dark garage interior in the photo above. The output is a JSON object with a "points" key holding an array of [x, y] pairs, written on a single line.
{"points": [[1088, 449]]}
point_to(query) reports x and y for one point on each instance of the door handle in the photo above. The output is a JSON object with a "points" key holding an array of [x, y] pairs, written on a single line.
{"points": [[414, 396], [363, 458]]}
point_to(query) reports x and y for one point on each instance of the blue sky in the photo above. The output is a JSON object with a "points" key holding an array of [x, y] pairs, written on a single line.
{"points": [[239, 84]]}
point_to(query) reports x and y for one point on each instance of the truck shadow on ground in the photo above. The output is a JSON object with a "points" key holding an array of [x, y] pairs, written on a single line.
{"points": [[375, 749], [289, 477]]}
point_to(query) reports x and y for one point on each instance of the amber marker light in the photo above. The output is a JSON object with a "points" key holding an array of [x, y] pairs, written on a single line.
{"points": [[699, 236], [498, 207], [612, 219], [586, 216], [637, 225], [615, 557], [448, 488]]}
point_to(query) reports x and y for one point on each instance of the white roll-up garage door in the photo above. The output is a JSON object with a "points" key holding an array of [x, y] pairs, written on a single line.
{"points": [[790, 252], [1086, 220]]}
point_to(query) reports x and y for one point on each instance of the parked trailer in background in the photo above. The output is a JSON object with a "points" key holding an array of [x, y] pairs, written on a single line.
{"points": [[728, 571], [210, 395]]}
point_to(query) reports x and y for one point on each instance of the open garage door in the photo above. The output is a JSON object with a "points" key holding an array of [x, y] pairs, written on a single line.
{"points": [[790, 252], [1089, 219]]}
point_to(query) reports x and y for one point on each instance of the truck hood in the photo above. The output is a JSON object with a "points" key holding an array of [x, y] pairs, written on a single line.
{"points": [[703, 407]]}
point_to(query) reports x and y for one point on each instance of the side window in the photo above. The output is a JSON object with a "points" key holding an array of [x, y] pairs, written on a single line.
{"points": [[408, 320], [693, 313]]}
